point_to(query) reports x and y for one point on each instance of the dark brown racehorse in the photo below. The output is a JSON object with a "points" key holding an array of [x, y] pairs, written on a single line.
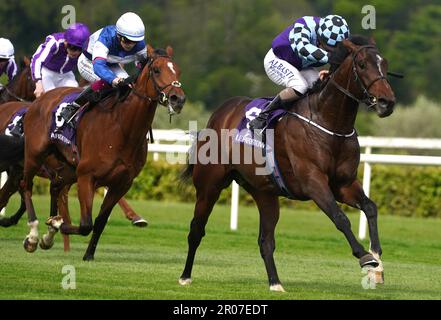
{"points": [[316, 164], [111, 140], [21, 88]]}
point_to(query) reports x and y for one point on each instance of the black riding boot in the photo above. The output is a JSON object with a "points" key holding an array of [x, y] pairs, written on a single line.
{"points": [[88, 95], [260, 121]]}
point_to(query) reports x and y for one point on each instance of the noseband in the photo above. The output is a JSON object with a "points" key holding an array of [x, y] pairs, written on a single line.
{"points": [[368, 99]]}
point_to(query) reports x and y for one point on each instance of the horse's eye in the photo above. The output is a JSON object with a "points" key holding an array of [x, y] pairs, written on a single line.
{"points": [[156, 70], [361, 64]]}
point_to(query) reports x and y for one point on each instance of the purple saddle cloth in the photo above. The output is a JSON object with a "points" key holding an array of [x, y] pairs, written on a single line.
{"points": [[246, 136], [67, 134], [15, 126]]}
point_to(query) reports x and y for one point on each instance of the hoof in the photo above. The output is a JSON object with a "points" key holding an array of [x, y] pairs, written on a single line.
{"points": [[88, 257], [7, 222], [376, 276], [46, 245], [55, 222], [30, 245], [368, 260], [185, 282], [277, 288], [140, 222]]}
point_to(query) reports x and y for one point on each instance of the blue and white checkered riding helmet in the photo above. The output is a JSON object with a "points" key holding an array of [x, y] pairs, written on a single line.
{"points": [[333, 29]]}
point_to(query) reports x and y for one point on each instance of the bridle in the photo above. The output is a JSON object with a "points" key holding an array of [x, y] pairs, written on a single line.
{"points": [[5, 89], [368, 99], [161, 97]]}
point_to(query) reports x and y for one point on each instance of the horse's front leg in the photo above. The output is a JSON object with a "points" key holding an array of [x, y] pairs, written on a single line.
{"points": [[110, 200], [319, 191], [354, 196]]}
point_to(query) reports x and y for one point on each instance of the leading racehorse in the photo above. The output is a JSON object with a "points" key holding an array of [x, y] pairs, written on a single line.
{"points": [[317, 152], [111, 141]]}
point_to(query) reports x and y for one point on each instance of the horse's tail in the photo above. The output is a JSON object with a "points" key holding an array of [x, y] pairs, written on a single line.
{"points": [[11, 148], [187, 173]]}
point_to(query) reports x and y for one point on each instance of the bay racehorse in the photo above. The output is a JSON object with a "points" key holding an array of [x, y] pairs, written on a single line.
{"points": [[111, 141], [317, 151]]}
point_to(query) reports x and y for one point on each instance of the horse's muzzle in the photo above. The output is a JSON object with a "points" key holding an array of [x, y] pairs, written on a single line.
{"points": [[384, 107], [176, 102]]}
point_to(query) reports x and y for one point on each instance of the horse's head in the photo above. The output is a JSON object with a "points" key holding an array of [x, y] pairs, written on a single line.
{"points": [[164, 74], [364, 64], [21, 88], [24, 86]]}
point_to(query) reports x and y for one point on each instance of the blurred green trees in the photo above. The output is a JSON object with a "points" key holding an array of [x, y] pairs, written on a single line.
{"points": [[220, 44]]}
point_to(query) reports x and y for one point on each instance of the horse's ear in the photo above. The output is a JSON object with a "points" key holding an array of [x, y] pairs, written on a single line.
{"points": [[150, 51], [26, 61], [371, 40], [349, 45], [169, 51]]}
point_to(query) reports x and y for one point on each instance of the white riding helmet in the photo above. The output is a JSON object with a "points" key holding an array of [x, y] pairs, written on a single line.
{"points": [[130, 26], [6, 49]]}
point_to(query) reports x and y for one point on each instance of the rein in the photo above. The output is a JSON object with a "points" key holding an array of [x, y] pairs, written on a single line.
{"points": [[9, 92], [315, 124], [368, 98]]}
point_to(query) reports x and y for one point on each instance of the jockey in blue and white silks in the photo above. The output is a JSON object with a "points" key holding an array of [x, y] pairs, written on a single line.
{"points": [[101, 63], [301, 47], [7, 61], [55, 59], [111, 47]]}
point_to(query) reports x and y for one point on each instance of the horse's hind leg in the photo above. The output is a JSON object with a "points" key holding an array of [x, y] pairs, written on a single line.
{"points": [[54, 222], [86, 191], [269, 216], [131, 214], [63, 209], [355, 197], [13, 220], [10, 187], [32, 166], [209, 182]]}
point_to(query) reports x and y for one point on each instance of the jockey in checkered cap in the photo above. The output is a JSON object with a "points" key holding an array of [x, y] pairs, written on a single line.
{"points": [[295, 53]]}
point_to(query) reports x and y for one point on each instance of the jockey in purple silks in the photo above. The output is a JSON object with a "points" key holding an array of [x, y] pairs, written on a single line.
{"points": [[294, 55], [54, 60], [7, 61]]}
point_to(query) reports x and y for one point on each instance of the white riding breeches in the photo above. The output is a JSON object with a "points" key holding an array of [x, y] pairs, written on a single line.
{"points": [[52, 80], [284, 74], [85, 67]]}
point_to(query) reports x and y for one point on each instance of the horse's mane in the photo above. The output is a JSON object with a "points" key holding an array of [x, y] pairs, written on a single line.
{"points": [[337, 58], [124, 91], [157, 52]]}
